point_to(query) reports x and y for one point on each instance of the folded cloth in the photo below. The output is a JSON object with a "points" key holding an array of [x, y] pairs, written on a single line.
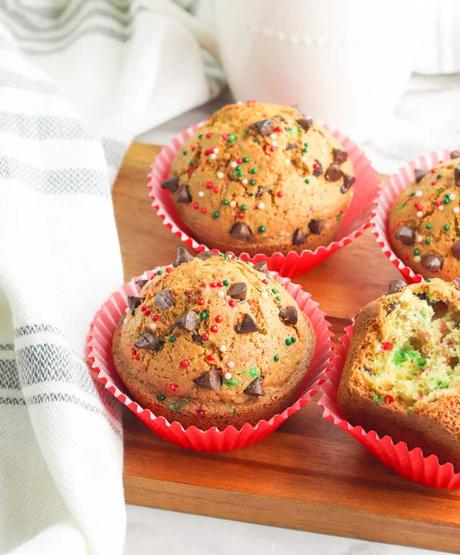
{"points": [[120, 68]]}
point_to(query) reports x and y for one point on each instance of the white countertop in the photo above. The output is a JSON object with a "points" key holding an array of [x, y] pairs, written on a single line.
{"points": [[427, 118]]}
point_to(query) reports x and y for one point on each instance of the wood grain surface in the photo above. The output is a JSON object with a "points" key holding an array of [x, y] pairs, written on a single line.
{"points": [[308, 475]]}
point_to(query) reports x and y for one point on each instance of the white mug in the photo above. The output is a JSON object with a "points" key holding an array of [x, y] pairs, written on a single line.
{"points": [[345, 62]]}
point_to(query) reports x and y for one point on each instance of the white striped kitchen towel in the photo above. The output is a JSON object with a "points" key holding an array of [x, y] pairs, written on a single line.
{"points": [[115, 70]]}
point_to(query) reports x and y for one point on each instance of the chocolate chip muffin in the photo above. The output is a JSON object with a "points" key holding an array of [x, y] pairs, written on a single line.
{"points": [[213, 341], [402, 373], [261, 178], [424, 222]]}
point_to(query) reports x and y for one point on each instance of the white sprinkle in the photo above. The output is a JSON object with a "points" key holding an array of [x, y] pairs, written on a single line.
{"points": [[220, 294], [456, 209], [419, 214], [265, 295], [261, 205], [233, 203], [228, 375], [452, 196], [216, 150], [441, 207], [274, 144], [417, 258], [213, 156], [244, 181], [200, 193], [127, 310], [273, 136], [153, 326], [233, 164], [418, 193], [220, 175], [222, 348], [419, 238], [287, 161], [231, 364]]}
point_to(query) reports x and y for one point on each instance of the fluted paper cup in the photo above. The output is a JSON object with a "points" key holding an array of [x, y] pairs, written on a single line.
{"points": [[409, 463], [392, 187], [100, 362], [291, 263]]}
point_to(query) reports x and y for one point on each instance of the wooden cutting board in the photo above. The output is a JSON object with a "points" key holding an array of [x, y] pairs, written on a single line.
{"points": [[308, 475]]}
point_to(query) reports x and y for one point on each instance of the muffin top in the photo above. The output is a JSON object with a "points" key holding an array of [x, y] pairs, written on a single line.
{"points": [[424, 222], [252, 166], [213, 330]]}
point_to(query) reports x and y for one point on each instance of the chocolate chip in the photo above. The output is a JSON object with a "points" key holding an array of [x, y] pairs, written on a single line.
{"points": [[305, 123], [247, 325], [333, 173], [211, 380], [197, 338], [317, 168], [395, 286], [457, 176], [339, 156], [419, 174], [204, 255], [183, 195], [240, 231], [264, 127], [164, 299], [348, 181], [255, 387], [455, 154], [456, 249], [456, 282], [290, 146], [440, 309], [406, 235], [238, 291], [171, 184], [141, 282], [298, 238], [261, 267], [432, 262], [148, 341], [289, 315], [133, 303], [189, 321], [316, 226], [182, 257]]}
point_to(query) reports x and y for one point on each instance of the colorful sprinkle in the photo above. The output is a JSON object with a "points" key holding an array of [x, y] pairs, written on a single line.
{"points": [[261, 229], [161, 397], [185, 363]]}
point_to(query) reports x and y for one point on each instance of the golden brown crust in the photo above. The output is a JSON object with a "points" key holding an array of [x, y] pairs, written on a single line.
{"points": [[273, 190], [160, 380], [432, 426]]}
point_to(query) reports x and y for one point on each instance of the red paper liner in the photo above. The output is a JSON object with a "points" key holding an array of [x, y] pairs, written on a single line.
{"points": [[385, 200], [409, 463], [292, 263], [100, 362]]}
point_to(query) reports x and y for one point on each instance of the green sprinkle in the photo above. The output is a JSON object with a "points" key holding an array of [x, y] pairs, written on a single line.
{"points": [[438, 176], [416, 251], [192, 162], [172, 406], [225, 282], [305, 148], [293, 340], [428, 226], [231, 139], [446, 200], [421, 361], [288, 341], [225, 202], [200, 136], [254, 372], [252, 182], [231, 382], [307, 181], [378, 399], [243, 207], [446, 227], [338, 217], [161, 397], [278, 298], [457, 233], [238, 168], [172, 338], [276, 358], [402, 206], [261, 229], [159, 272], [428, 280], [428, 241], [245, 159], [399, 357], [274, 291], [203, 315], [410, 412], [184, 153], [253, 171], [216, 214]]}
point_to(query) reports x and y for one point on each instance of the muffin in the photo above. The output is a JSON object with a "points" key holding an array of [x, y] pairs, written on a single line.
{"points": [[213, 341], [402, 373], [261, 178], [424, 222]]}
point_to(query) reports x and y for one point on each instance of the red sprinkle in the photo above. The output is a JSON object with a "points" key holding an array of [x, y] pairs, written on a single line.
{"points": [[146, 312], [388, 399], [212, 284], [387, 345], [240, 214], [280, 194], [219, 283], [210, 357], [203, 210], [277, 129], [216, 189], [239, 160], [155, 317], [172, 387], [209, 185], [232, 303], [185, 363], [193, 148], [214, 328], [169, 270], [195, 205], [265, 281], [218, 319], [200, 412], [208, 134], [205, 336], [200, 302]]}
